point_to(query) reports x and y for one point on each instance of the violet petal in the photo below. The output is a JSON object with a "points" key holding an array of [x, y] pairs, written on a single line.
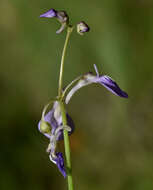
{"points": [[49, 14], [60, 163], [112, 86]]}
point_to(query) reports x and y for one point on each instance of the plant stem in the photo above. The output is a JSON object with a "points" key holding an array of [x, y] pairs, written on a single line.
{"points": [[69, 30], [67, 149], [63, 112]]}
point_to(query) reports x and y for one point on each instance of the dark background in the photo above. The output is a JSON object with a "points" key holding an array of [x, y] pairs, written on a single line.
{"points": [[112, 147]]}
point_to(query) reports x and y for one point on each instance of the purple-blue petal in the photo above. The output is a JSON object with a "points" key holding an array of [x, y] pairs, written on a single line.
{"points": [[49, 14], [112, 86], [60, 163]]}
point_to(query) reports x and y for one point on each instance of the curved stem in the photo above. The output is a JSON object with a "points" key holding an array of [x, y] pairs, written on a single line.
{"points": [[69, 30], [45, 108], [69, 85]]}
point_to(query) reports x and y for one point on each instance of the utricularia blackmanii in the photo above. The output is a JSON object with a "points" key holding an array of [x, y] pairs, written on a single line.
{"points": [[56, 124]]}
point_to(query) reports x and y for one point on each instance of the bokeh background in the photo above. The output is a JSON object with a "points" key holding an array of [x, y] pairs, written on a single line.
{"points": [[112, 147]]}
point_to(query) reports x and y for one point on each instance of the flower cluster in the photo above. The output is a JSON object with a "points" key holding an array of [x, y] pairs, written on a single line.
{"points": [[63, 18], [51, 124]]}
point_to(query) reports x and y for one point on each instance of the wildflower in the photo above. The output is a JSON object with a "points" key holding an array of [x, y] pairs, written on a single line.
{"points": [[82, 27], [104, 80], [52, 127], [61, 16]]}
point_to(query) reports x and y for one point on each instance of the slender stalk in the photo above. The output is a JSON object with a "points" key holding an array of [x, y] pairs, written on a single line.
{"points": [[69, 85], [63, 112], [69, 30], [67, 149]]}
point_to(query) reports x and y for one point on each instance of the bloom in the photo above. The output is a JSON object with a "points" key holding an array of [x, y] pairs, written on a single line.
{"points": [[52, 127], [104, 80], [61, 16]]}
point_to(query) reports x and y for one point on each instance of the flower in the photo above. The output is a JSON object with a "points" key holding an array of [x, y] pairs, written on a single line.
{"points": [[61, 16], [54, 119], [82, 27], [104, 80], [52, 127]]}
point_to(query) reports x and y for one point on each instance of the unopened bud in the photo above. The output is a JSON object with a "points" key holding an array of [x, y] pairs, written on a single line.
{"points": [[45, 127], [82, 27]]}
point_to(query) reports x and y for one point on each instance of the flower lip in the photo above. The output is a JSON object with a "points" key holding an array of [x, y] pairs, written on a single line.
{"points": [[112, 86], [60, 163], [49, 14]]}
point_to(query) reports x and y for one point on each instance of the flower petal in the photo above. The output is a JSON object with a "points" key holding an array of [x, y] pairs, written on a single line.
{"points": [[49, 14], [60, 163], [112, 86]]}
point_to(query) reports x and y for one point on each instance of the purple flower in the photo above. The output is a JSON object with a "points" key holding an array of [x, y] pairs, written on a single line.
{"points": [[49, 14], [54, 118], [52, 127], [61, 16], [104, 80]]}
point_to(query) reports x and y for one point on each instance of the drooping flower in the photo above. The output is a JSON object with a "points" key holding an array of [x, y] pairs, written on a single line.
{"points": [[104, 80], [52, 127], [61, 16]]}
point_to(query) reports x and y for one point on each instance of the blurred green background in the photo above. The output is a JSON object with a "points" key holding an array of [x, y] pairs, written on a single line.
{"points": [[112, 147]]}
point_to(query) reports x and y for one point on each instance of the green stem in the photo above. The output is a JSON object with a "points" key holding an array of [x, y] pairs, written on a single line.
{"points": [[67, 149], [69, 30], [63, 112]]}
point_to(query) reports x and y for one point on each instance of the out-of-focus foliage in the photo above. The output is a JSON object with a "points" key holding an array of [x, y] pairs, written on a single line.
{"points": [[112, 147]]}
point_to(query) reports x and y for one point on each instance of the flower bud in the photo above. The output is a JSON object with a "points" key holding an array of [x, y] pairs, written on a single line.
{"points": [[45, 127], [82, 27]]}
